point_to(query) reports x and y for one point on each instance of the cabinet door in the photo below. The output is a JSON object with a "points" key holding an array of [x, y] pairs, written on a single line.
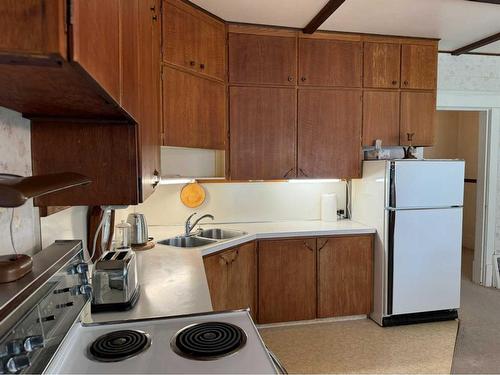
{"points": [[381, 117], [96, 41], [330, 63], [329, 133], [149, 95], [262, 133], [232, 278], [194, 110], [345, 276], [262, 59], [419, 67], [287, 280], [418, 118], [193, 40], [381, 65]]}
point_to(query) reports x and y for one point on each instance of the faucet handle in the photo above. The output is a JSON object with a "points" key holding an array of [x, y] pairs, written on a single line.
{"points": [[189, 217]]}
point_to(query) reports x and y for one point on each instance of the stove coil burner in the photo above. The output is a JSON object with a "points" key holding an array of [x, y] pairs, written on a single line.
{"points": [[119, 345], [208, 341]]}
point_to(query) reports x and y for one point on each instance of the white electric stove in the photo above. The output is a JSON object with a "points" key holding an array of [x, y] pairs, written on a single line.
{"points": [[41, 330], [226, 342]]}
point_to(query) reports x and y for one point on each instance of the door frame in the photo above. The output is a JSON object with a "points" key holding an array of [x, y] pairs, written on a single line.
{"points": [[488, 104]]}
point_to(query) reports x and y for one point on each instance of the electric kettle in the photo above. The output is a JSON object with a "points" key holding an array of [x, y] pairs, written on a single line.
{"points": [[139, 229]]}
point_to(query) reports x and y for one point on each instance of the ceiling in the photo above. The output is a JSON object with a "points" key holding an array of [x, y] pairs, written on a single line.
{"points": [[456, 22]]}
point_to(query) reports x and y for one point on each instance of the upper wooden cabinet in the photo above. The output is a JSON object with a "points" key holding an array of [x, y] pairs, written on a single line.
{"points": [[287, 280], [193, 40], [345, 276], [33, 27], [262, 59], [329, 133], [263, 133], [232, 278], [381, 117], [419, 67], [381, 65], [418, 118], [326, 62], [194, 110]]}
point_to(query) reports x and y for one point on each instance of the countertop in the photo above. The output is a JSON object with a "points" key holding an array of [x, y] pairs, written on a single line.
{"points": [[173, 280]]}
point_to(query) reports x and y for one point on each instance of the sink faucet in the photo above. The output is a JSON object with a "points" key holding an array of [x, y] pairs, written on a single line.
{"points": [[189, 227]]}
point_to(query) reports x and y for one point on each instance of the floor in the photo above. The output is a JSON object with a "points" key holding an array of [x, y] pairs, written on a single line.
{"points": [[361, 346], [478, 341]]}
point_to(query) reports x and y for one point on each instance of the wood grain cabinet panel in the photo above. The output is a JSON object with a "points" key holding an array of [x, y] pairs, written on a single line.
{"points": [[193, 40], [193, 110], [345, 276], [96, 41], [419, 67], [287, 280], [330, 63], [381, 65], [262, 59], [329, 133], [381, 117], [232, 278], [262, 133], [418, 118]]}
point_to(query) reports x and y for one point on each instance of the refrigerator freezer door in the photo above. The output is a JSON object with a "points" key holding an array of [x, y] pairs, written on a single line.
{"points": [[426, 260], [424, 184]]}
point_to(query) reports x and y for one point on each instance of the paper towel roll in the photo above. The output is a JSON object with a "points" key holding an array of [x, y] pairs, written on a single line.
{"points": [[329, 207]]}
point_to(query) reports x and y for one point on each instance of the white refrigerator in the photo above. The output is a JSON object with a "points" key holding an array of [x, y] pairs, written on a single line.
{"points": [[416, 206]]}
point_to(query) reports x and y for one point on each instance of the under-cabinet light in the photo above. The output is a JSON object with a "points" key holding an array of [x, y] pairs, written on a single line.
{"points": [[176, 181], [313, 181]]}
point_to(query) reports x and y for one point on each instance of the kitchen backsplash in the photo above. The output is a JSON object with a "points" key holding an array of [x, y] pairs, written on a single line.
{"points": [[15, 158], [242, 202]]}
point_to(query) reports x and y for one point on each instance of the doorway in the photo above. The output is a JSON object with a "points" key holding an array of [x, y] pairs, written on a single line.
{"points": [[458, 137]]}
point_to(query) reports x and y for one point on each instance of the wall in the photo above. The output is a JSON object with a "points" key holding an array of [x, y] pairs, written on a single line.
{"points": [[15, 158], [242, 202], [30, 232], [473, 81], [457, 137]]}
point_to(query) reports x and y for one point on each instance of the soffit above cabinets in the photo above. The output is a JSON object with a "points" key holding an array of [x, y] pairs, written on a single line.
{"points": [[456, 22]]}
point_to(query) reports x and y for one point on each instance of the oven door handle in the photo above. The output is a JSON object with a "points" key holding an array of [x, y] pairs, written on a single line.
{"points": [[277, 363]]}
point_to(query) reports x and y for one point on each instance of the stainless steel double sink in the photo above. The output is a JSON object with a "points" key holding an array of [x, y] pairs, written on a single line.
{"points": [[202, 237]]}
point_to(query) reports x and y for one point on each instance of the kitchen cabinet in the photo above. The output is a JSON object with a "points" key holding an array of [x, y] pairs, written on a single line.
{"points": [[193, 40], [287, 280], [194, 110], [381, 117], [327, 62], [262, 59], [121, 157], [382, 64], [345, 276], [262, 133], [419, 66], [418, 118], [232, 278], [329, 133]]}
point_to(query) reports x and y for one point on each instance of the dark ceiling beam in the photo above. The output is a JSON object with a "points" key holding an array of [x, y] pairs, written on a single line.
{"points": [[487, 1], [480, 43], [322, 16]]}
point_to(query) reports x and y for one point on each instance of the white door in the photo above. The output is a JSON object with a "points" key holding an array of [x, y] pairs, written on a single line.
{"points": [[427, 260], [423, 184]]}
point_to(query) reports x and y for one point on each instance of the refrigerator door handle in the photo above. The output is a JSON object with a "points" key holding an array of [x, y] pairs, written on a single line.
{"points": [[390, 262], [392, 186]]}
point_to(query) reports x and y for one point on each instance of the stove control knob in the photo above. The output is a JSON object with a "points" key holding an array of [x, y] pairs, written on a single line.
{"points": [[85, 289], [82, 268], [15, 347], [17, 363], [33, 343]]}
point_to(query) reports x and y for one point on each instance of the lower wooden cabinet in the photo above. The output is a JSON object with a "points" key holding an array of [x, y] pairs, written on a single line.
{"points": [[294, 279], [345, 276], [232, 278], [287, 280]]}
